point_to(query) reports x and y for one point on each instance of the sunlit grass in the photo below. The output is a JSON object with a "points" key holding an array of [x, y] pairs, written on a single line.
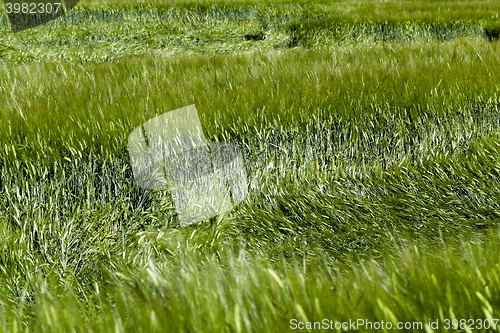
{"points": [[373, 169], [103, 32]]}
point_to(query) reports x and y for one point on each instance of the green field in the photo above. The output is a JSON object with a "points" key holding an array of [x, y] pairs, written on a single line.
{"points": [[371, 137]]}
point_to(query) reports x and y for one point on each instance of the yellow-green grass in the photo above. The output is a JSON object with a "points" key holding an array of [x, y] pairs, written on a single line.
{"points": [[373, 173], [102, 32]]}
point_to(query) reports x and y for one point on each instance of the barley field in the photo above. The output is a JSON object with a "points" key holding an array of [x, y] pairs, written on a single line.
{"points": [[370, 132]]}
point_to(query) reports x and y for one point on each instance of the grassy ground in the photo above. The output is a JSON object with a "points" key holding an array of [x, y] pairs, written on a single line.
{"points": [[96, 31], [370, 137]]}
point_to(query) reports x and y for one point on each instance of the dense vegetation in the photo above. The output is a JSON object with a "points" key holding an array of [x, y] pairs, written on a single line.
{"points": [[370, 133], [106, 31]]}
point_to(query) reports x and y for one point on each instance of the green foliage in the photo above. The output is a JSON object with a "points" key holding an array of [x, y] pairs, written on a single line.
{"points": [[242, 292], [372, 157], [106, 32], [341, 31]]}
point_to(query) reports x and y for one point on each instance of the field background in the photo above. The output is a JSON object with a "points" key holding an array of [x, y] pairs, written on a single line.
{"points": [[370, 132]]}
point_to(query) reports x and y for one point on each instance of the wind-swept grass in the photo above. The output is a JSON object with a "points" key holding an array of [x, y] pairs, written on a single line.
{"points": [[243, 293], [108, 31], [492, 31], [373, 171], [342, 144]]}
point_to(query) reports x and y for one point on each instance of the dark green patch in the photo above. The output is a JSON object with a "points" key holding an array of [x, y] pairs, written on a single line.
{"points": [[492, 31]]}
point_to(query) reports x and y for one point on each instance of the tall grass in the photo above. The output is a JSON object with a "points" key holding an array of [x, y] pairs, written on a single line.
{"points": [[109, 31], [373, 178], [243, 293]]}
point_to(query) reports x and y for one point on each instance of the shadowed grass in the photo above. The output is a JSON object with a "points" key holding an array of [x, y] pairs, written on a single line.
{"points": [[373, 171], [243, 293]]}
